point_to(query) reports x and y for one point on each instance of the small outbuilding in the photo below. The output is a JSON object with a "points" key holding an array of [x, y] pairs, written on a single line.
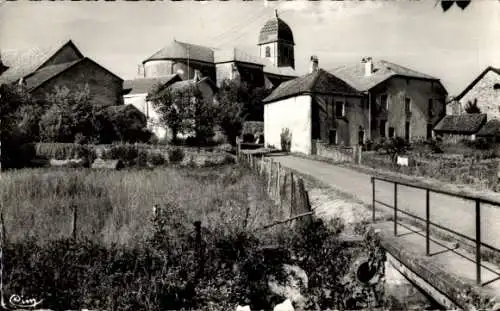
{"points": [[457, 127], [491, 130]]}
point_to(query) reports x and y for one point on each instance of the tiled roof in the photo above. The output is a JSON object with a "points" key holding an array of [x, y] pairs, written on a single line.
{"points": [[280, 71], [183, 85], [144, 85], [275, 29], [354, 74], [236, 55], [24, 62], [491, 128], [319, 81], [466, 124], [476, 80], [46, 73], [183, 50]]}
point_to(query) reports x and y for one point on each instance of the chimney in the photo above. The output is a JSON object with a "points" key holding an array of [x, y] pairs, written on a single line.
{"points": [[368, 66], [197, 75], [313, 64]]}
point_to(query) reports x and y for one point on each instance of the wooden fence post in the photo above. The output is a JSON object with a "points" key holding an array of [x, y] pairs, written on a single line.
{"points": [[261, 165], [293, 198], [277, 188], [283, 190], [75, 215], [199, 249], [4, 235], [305, 205], [270, 175]]}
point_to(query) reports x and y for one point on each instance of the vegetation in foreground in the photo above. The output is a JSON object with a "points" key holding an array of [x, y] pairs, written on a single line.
{"points": [[125, 258]]}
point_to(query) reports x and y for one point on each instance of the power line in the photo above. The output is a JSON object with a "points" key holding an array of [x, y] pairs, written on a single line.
{"points": [[242, 31], [257, 14]]}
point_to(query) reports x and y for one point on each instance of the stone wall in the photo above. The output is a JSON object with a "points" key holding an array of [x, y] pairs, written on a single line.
{"points": [[336, 153]]}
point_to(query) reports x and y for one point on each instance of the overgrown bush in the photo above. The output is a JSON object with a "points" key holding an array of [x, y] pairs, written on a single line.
{"points": [[126, 153], [176, 155], [65, 151], [142, 159], [156, 159], [286, 140]]}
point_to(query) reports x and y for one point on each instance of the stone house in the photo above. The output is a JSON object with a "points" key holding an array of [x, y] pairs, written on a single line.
{"points": [[453, 128], [485, 89], [316, 108], [135, 93], [41, 69], [401, 101]]}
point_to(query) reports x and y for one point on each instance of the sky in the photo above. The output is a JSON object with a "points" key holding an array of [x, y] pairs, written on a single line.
{"points": [[454, 46]]}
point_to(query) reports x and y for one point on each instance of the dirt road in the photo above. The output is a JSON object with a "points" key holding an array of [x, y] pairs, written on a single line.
{"points": [[451, 212]]}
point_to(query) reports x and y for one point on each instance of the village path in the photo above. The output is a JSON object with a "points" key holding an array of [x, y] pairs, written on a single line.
{"points": [[451, 212]]}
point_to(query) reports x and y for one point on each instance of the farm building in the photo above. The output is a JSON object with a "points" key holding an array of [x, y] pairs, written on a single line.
{"points": [[42, 69], [491, 130], [135, 93], [401, 101], [457, 127], [485, 90], [317, 108]]}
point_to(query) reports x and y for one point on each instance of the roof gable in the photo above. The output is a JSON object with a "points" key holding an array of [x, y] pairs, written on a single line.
{"points": [[476, 80], [466, 124], [320, 81], [354, 74], [145, 85], [24, 62], [45, 74]]}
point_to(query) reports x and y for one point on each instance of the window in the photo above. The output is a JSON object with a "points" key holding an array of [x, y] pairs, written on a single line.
{"points": [[407, 131], [384, 103], [407, 105], [382, 127], [496, 86], [429, 131], [339, 109], [268, 51], [332, 137], [391, 132], [429, 108]]}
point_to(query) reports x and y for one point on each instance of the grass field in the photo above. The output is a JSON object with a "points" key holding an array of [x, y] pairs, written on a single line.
{"points": [[117, 206]]}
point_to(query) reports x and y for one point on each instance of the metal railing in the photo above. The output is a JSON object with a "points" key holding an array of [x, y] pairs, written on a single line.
{"points": [[428, 223]]}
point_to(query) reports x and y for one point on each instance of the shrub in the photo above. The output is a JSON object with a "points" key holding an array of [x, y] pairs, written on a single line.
{"points": [[156, 158], [126, 153], [176, 155], [286, 140], [142, 159]]}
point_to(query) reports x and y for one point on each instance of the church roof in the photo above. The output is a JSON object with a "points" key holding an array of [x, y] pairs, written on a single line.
{"points": [[319, 82], [236, 55], [275, 29], [354, 74], [183, 50]]}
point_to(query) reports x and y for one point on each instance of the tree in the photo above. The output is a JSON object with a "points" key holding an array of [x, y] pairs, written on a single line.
{"points": [[70, 115], [18, 113], [185, 110], [238, 103], [471, 107]]}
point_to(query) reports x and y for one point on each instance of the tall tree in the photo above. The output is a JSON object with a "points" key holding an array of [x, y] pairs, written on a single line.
{"points": [[239, 103], [184, 109]]}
